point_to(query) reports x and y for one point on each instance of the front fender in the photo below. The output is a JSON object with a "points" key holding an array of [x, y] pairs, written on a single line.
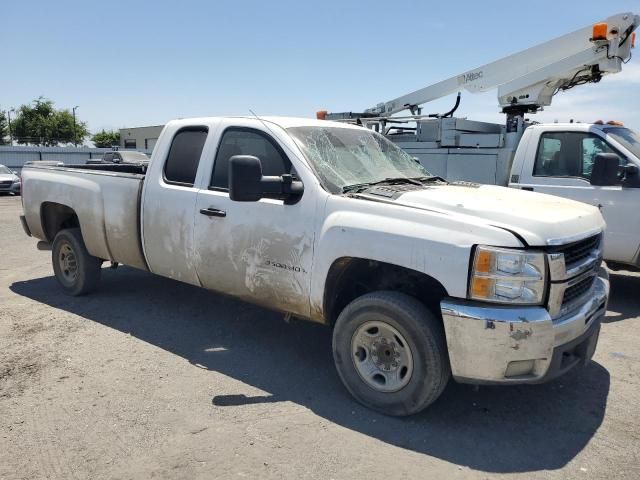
{"points": [[428, 242]]}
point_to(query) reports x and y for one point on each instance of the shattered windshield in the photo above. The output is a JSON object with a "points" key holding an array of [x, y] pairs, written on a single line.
{"points": [[628, 138], [348, 156]]}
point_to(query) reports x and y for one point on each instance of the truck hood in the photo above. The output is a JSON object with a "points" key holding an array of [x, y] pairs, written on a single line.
{"points": [[538, 218]]}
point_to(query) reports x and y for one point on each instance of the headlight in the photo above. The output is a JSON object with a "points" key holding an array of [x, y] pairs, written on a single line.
{"points": [[507, 276]]}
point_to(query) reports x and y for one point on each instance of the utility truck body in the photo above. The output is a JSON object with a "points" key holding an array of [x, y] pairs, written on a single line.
{"points": [[420, 279]]}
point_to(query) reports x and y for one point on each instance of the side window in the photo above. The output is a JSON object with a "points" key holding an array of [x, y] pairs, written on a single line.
{"points": [[240, 141], [559, 155], [591, 146], [108, 157], [184, 155], [549, 151]]}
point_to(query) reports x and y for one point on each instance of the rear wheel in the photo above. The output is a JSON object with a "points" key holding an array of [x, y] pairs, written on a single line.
{"points": [[390, 353], [77, 271]]}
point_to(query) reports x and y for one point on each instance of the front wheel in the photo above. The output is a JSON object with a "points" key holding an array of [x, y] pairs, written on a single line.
{"points": [[390, 352], [77, 271]]}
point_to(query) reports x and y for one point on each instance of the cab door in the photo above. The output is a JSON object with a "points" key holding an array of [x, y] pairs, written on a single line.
{"points": [[563, 164], [169, 200], [260, 251]]}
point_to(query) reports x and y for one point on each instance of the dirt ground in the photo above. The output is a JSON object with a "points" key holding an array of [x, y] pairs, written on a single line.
{"points": [[152, 378]]}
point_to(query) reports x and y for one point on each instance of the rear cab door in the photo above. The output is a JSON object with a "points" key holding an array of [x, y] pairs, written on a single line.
{"points": [[260, 251], [169, 198], [560, 162]]}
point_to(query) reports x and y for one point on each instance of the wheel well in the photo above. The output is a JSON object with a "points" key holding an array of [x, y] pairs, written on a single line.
{"points": [[350, 278], [56, 217]]}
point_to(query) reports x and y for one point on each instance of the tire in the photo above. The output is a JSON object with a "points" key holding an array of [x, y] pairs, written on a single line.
{"points": [[415, 342], [81, 272]]}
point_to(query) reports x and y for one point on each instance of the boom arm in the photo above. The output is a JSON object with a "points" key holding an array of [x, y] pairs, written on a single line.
{"points": [[527, 80]]}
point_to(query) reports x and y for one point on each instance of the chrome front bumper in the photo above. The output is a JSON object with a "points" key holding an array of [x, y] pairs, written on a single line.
{"points": [[509, 344]]}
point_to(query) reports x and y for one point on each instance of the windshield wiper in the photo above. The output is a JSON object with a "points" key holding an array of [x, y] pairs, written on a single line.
{"points": [[389, 181]]}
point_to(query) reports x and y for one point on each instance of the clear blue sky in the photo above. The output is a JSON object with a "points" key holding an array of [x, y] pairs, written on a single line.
{"points": [[129, 63]]}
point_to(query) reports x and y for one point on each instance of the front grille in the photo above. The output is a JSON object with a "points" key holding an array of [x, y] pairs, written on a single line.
{"points": [[576, 291], [575, 252], [6, 183]]}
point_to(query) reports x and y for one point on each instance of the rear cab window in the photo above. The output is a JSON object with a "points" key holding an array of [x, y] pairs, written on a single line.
{"points": [[182, 162]]}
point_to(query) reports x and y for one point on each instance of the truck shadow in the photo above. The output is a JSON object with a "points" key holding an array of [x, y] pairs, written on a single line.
{"points": [[494, 429], [624, 302]]}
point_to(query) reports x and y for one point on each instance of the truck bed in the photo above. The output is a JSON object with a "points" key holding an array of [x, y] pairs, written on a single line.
{"points": [[105, 199]]}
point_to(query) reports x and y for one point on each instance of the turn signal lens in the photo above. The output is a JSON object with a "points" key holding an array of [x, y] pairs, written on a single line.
{"points": [[599, 32], [481, 287], [633, 40], [484, 261]]}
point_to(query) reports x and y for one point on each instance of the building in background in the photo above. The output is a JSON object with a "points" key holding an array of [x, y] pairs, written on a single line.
{"points": [[140, 138]]}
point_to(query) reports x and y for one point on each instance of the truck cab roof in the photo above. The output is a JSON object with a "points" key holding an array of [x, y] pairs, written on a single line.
{"points": [[575, 125], [283, 122]]}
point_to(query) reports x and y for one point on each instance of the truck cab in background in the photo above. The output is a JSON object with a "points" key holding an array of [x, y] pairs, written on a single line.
{"points": [[553, 158], [121, 156], [591, 163]]}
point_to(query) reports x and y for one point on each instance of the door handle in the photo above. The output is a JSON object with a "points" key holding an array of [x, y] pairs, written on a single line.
{"points": [[213, 212], [529, 189]]}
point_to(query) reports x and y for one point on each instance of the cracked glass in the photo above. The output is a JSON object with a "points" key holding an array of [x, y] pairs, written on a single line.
{"points": [[349, 156]]}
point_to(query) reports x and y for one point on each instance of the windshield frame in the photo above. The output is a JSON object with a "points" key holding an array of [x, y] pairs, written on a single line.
{"points": [[295, 133], [614, 133]]}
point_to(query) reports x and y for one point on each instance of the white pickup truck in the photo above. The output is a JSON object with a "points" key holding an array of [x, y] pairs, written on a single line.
{"points": [[420, 279]]}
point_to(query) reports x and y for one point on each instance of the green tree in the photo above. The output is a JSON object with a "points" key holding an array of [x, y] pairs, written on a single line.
{"points": [[4, 129], [105, 139], [42, 124]]}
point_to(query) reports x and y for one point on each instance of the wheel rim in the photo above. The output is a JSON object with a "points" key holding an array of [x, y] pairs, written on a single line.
{"points": [[382, 356], [68, 263]]}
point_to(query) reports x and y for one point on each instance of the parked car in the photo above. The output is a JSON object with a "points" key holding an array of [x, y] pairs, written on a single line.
{"points": [[9, 181], [419, 278], [121, 156]]}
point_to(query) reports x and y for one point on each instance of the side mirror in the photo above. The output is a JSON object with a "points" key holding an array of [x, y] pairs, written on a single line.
{"points": [[247, 184], [605, 170], [630, 175]]}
